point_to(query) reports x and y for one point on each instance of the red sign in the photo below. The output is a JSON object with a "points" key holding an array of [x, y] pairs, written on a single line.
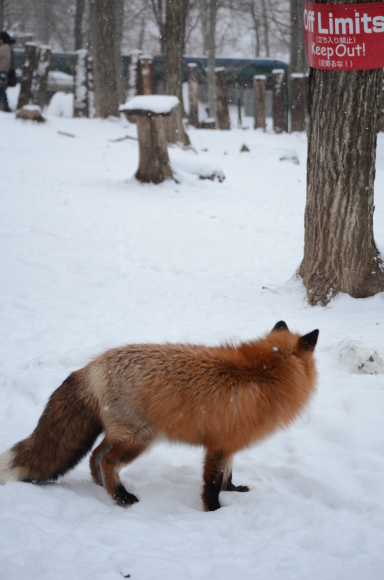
{"points": [[344, 36]]}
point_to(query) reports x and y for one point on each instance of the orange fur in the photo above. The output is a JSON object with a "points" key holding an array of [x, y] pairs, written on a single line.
{"points": [[223, 398]]}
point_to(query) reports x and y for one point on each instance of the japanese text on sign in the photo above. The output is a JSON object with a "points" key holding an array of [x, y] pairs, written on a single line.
{"points": [[344, 36]]}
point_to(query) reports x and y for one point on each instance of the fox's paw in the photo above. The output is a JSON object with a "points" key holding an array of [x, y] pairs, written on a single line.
{"points": [[123, 497], [241, 488]]}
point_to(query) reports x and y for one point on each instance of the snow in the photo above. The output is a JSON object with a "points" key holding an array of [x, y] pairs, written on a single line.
{"points": [[157, 104], [92, 259]]}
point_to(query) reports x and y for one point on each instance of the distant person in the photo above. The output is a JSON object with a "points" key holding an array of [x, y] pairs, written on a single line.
{"points": [[5, 65]]}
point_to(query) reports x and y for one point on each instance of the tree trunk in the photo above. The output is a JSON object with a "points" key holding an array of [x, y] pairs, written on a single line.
{"points": [[91, 89], [298, 59], [1, 14], [297, 102], [144, 76], [103, 30], [80, 107], [154, 164], [80, 4], [340, 254], [27, 74], [175, 22], [222, 100], [279, 87], [41, 80], [259, 92], [265, 26], [193, 93], [132, 74], [211, 58]]}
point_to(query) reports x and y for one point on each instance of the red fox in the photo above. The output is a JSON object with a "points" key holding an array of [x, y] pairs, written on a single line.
{"points": [[224, 398]]}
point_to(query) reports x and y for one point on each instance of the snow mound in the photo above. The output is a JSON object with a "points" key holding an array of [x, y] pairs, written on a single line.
{"points": [[61, 105], [359, 359]]}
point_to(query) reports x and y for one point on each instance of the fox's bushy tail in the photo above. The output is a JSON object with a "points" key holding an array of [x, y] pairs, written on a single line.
{"points": [[64, 434]]}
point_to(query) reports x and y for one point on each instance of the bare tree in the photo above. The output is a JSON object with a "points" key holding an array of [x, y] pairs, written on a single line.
{"points": [[103, 48], [211, 56], [176, 12], [297, 49]]}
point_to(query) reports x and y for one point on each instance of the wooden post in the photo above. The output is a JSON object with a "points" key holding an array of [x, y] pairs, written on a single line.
{"points": [[27, 74], [222, 111], [297, 102], [193, 93], [80, 108], [279, 85], [40, 88], [144, 81], [154, 164], [259, 86]]}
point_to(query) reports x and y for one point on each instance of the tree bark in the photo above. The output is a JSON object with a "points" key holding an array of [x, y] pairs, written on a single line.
{"points": [[103, 45], [154, 164], [144, 76], [298, 59], [80, 4], [340, 254], [175, 22]]}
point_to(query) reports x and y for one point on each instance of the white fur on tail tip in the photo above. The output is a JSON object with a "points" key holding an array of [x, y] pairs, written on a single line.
{"points": [[8, 473]]}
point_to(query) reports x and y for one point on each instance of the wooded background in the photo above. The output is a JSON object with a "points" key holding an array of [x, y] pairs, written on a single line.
{"points": [[248, 28]]}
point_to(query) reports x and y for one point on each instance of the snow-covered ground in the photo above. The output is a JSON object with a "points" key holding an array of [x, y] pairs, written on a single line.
{"points": [[91, 259]]}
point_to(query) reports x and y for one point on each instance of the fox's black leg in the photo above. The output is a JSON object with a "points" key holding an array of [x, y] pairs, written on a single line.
{"points": [[119, 454], [227, 480], [214, 468]]}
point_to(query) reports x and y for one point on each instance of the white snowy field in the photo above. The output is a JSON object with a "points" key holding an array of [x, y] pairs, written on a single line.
{"points": [[91, 259]]}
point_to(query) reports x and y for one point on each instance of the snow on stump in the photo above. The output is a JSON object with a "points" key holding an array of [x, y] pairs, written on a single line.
{"points": [[30, 113], [149, 110]]}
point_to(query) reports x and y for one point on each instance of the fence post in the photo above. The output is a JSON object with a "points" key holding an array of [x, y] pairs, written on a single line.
{"points": [[41, 80], [193, 94], [259, 86], [222, 112], [29, 65], [279, 86], [297, 102], [80, 106]]}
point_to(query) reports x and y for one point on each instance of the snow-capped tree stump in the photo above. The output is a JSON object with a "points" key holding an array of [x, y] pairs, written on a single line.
{"points": [[279, 85], [222, 111], [80, 108], [41, 79], [193, 94], [259, 87], [297, 103], [29, 65], [149, 110]]}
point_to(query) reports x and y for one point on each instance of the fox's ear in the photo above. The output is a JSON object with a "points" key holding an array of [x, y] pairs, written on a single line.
{"points": [[308, 341], [280, 326]]}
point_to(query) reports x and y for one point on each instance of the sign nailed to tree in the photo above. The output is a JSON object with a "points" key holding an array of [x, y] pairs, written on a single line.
{"points": [[344, 36]]}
